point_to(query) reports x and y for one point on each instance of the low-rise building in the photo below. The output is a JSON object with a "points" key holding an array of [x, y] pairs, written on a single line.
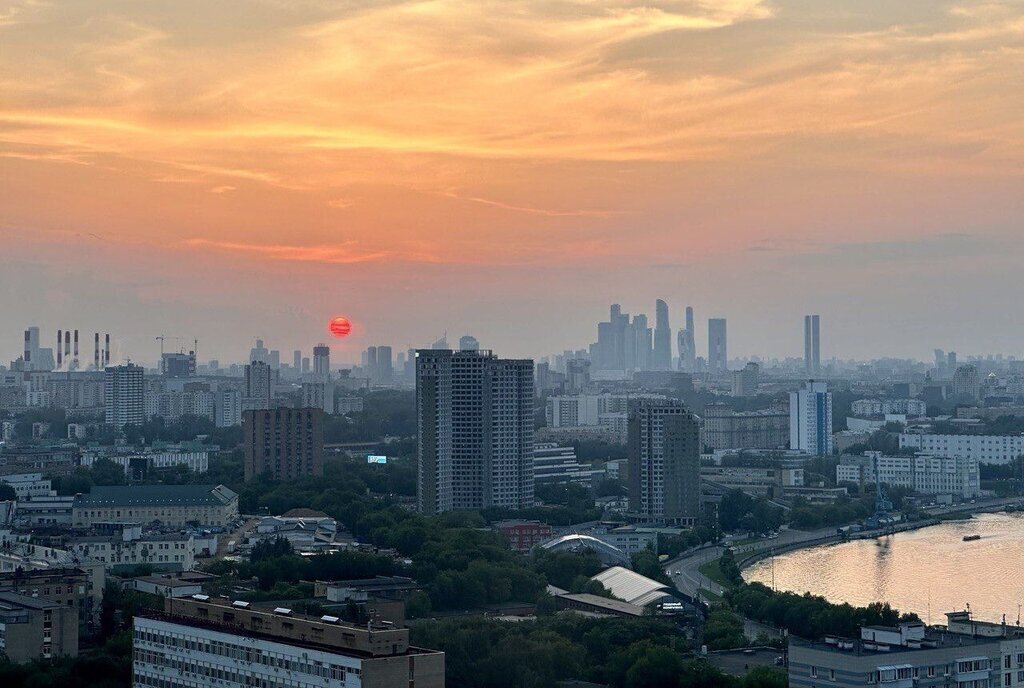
{"points": [[524, 535], [199, 641], [45, 510], [28, 485], [554, 465], [170, 505], [179, 584], [991, 449], [754, 480], [910, 655], [36, 628], [929, 475], [166, 552]]}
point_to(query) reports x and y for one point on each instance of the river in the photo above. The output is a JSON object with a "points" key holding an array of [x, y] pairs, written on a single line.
{"points": [[928, 571]]}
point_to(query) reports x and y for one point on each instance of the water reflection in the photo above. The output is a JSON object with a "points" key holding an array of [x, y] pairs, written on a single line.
{"points": [[928, 571]]}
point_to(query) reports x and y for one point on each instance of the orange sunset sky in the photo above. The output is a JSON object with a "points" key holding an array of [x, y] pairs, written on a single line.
{"points": [[227, 170]]}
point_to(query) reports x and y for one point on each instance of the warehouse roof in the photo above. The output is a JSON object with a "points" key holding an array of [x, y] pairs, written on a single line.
{"points": [[631, 586], [156, 495]]}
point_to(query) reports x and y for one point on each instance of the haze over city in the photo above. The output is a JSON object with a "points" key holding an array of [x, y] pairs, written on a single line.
{"points": [[424, 167]]}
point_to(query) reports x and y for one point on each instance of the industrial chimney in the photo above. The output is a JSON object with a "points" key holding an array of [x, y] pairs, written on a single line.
{"points": [[60, 344]]}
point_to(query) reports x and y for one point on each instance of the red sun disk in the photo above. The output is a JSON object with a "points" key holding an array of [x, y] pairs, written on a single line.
{"points": [[340, 327]]}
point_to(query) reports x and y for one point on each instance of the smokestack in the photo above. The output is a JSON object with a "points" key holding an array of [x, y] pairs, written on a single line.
{"points": [[60, 344], [28, 349], [67, 345], [76, 347], [106, 350], [96, 351]]}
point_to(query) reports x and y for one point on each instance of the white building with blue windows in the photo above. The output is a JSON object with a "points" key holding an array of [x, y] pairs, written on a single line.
{"points": [[810, 419]]}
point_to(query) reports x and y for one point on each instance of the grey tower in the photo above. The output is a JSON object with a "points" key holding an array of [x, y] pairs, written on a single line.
{"points": [[812, 343], [662, 337], [718, 355], [687, 344], [664, 461], [475, 428]]}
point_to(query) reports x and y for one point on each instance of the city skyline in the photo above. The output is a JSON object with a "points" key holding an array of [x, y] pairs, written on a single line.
{"points": [[760, 160]]}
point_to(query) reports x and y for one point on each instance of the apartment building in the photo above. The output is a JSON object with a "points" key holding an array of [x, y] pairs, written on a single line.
{"points": [[198, 641]]}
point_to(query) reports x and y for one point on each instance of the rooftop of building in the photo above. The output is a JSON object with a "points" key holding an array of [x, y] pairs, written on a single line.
{"points": [[605, 603], [278, 625], [378, 583], [13, 600], [156, 495], [935, 637], [631, 587]]}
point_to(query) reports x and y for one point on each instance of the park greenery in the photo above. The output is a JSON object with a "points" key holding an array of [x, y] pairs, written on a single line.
{"points": [[640, 653], [809, 616]]}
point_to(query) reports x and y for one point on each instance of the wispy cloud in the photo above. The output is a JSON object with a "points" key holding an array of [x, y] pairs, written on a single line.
{"points": [[338, 254]]}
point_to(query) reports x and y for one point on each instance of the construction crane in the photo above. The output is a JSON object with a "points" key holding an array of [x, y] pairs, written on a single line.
{"points": [[162, 338]]}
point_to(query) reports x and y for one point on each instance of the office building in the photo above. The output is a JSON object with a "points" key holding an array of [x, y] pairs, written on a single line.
{"points": [[724, 428], [468, 343], [177, 365], [687, 345], [553, 465], [718, 354], [322, 361], [664, 461], [966, 383], [810, 419], [745, 381], [198, 641], [991, 449], [475, 429], [258, 386], [171, 505], [812, 344], [662, 337], [385, 366], [36, 628], [964, 654], [122, 395], [756, 479], [927, 475], [285, 443], [913, 408]]}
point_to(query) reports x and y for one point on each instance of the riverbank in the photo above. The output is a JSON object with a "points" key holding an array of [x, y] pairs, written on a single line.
{"points": [[927, 570], [754, 557]]}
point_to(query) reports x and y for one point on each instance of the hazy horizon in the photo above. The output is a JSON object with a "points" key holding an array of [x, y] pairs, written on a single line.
{"points": [[429, 166]]}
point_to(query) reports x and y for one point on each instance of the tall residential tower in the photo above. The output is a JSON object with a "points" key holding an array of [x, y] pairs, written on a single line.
{"points": [[475, 420]]}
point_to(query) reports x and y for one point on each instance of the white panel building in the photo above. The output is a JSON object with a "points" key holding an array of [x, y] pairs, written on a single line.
{"points": [[198, 642], [810, 419], [930, 475], [992, 449]]}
